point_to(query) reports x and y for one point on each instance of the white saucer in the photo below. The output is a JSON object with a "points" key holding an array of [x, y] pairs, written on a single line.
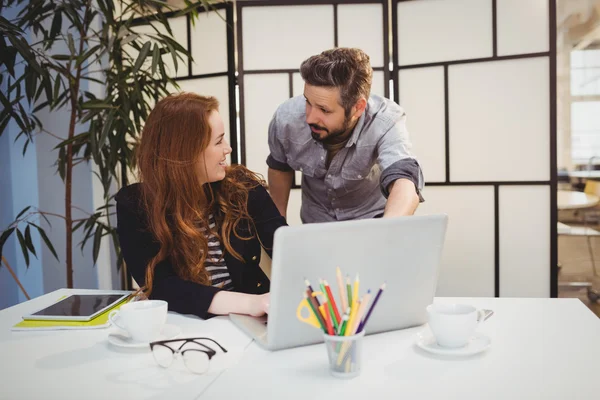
{"points": [[478, 343], [123, 340]]}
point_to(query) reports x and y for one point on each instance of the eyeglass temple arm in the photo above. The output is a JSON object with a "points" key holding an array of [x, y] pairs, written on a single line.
{"points": [[205, 338]]}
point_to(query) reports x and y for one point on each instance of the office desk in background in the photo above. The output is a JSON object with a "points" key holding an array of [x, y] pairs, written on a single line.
{"points": [[594, 174], [541, 349], [573, 200]]}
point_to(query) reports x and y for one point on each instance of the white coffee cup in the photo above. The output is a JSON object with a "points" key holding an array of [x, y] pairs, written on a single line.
{"points": [[143, 320], [453, 325]]}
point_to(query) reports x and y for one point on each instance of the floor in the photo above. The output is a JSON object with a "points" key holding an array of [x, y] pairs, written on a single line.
{"points": [[576, 264]]}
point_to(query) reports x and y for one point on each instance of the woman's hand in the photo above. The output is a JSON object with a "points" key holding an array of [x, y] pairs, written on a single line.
{"points": [[260, 304], [226, 302]]}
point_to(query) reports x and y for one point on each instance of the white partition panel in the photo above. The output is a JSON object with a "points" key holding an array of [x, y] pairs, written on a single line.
{"points": [[468, 259], [283, 36], [297, 84], [422, 96], [522, 26], [442, 30], [209, 43], [217, 87], [499, 120], [263, 93], [524, 245], [179, 28], [378, 85], [366, 35]]}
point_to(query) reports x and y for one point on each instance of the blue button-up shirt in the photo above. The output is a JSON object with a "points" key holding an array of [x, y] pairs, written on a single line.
{"points": [[356, 183]]}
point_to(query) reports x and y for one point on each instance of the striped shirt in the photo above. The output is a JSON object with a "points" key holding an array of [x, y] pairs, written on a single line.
{"points": [[215, 263]]}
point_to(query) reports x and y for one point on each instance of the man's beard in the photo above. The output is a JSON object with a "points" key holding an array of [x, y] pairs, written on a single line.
{"points": [[332, 137]]}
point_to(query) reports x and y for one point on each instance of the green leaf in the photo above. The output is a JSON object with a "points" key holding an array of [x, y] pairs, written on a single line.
{"points": [[155, 58], [4, 237], [56, 24], [28, 241], [47, 242], [97, 242], [23, 247], [71, 43], [61, 57], [95, 104], [141, 57], [82, 58], [23, 211]]}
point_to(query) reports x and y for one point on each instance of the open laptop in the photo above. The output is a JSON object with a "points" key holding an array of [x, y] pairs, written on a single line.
{"points": [[403, 252]]}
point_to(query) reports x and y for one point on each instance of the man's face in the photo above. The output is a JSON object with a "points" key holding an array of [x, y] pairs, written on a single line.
{"points": [[324, 114]]}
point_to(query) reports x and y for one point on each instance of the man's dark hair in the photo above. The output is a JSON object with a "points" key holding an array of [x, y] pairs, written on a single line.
{"points": [[345, 68]]}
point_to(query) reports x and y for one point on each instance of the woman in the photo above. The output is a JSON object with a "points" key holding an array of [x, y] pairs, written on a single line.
{"points": [[192, 230]]}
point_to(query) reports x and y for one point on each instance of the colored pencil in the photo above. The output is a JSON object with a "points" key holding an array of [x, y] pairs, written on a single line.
{"points": [[356, 286], [315, 312], [361, 312], [311, 289], [315, 307], [329, 304], [328, 320], [338, 318], [344, 322], [349, 289], [353, 312], [340, 281], [366, 319]]}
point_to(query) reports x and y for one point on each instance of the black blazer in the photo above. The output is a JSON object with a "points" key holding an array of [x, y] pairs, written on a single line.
{"points": [[139, 247]]}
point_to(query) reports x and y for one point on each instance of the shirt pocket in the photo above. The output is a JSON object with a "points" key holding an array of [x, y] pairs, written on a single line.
{"points": [[358, 173]]}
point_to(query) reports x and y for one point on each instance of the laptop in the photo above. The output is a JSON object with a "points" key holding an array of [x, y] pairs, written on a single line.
{"points": [[403, 252]]}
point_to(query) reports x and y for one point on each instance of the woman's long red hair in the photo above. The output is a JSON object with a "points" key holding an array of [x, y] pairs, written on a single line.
{"points": [[174, 136]]}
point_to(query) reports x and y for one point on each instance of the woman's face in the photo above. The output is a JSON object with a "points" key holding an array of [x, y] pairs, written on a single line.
{"points": [[212, 163]]}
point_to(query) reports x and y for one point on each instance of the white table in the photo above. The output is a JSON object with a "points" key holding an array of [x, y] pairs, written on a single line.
{"points": [[83, 365], [572, 200], [594, 174], [541, 349]]}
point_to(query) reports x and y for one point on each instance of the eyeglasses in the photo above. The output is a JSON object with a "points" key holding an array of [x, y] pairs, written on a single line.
{"points": [[196, 355]]}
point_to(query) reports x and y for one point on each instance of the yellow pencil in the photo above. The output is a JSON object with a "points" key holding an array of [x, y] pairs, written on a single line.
{"points": [[353, 311], [356, 284]]}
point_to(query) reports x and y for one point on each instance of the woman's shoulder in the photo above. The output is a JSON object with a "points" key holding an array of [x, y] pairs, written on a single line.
{"points": [[129, 195]]}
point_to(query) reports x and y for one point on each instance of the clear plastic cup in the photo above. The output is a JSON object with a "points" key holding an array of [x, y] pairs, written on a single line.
{"points": [[345, 355]]}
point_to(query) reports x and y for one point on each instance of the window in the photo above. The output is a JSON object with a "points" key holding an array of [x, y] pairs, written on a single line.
{"points": [[585, 105]]}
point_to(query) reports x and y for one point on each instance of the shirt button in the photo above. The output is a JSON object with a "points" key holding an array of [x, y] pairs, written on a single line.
{"points": [[253, 258], [359, 176], [329, 176]]}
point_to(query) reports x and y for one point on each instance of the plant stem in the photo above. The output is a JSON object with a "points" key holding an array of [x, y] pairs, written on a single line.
{"points": [[15, 277]]}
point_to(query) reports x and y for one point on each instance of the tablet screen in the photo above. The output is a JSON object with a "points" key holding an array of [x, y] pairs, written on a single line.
{"points": [[80, 305]]}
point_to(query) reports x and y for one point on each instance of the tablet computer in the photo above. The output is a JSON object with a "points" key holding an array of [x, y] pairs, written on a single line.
{"points": [[79, 307]]}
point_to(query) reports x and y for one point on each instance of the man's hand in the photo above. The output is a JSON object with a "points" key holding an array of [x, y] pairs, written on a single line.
{"points": [[403, 199]]}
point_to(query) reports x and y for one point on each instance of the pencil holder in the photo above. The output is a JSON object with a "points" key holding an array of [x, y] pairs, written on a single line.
{"points": [[345, 355]]}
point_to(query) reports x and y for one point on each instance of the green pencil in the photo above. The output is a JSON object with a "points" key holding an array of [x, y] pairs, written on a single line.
{"points": [[349, 287], [329, 306]]}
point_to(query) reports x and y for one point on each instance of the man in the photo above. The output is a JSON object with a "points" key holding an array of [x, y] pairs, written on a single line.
{"points": [[353, 149]]}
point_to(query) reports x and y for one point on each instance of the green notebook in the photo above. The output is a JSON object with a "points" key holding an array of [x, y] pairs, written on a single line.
{"points": [[101, 321]]}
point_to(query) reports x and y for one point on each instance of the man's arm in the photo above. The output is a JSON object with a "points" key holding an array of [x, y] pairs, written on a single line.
{"points": [[403, 199], [280, 185]]}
